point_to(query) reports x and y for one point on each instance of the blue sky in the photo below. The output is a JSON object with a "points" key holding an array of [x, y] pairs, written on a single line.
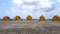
{"points": [[35, 8]]}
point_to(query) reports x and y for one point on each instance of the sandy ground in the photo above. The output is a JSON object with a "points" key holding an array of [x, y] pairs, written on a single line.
{"points": [[29, 27]]}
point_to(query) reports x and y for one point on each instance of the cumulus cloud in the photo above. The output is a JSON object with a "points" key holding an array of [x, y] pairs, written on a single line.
{"points": [[30, 1], [45, 5], [17, 2], [58, 1], [35, 7]]}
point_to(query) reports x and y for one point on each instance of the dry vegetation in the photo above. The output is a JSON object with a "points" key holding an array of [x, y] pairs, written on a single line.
{"points": [[29, 18], [56, 18], [6, 18], [41, 18], [17, 18]]}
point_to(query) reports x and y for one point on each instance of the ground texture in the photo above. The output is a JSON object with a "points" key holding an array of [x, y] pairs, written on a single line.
{"points": [[29, 27]]}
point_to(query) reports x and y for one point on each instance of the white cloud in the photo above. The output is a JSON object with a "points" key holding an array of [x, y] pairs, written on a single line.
{"points": [[30, 1], [46, 4], [40, 6], [58, 1], [42, 3], [28, 7], [17, 2]]}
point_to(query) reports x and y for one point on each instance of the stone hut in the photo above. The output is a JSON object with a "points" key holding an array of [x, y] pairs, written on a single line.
{"points": [[56, 18], [29, 18], [6, 18], [41, 18], [17, 18]]}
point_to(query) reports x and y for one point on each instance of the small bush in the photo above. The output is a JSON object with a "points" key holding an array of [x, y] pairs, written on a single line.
{"points": [[41, 18], [56, 18], [29, 18], [6, 18], [17, 18]]}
